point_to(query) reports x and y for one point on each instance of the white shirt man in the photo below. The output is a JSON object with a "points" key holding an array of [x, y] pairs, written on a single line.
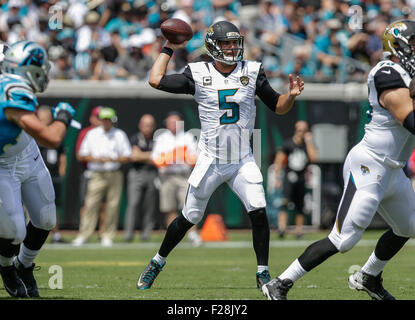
{"points": [[104, 148]]}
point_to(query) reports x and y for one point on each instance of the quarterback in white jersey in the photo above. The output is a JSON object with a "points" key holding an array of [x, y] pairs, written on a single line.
{"points": [[225, 91], [24, 177], [374, 179]]}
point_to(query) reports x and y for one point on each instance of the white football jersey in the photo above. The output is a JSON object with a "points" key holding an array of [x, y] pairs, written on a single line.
{"points": [[226, 109], [384, 135]]}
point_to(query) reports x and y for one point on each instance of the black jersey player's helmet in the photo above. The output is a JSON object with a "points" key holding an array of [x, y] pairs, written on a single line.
{"points": [[399, 40], [224, 31]]}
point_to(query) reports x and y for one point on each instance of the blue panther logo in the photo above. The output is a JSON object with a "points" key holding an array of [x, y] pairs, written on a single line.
{"points": [[35, 57]]}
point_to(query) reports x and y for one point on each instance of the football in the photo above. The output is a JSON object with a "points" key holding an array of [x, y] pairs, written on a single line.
{"points": [[176, 30]]}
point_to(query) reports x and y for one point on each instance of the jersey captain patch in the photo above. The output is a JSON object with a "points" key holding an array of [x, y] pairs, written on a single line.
{"points": [[207, 81]]}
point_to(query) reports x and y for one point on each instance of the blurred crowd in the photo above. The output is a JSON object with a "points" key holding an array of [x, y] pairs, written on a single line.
{"points": [[322, 40]]}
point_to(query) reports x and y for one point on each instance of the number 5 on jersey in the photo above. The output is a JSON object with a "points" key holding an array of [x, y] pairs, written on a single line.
{"points": [[224, 105]]}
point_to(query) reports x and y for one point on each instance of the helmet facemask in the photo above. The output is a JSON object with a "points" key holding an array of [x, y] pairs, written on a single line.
{"points": [[37, 76], [215, 50], [406, 55]]}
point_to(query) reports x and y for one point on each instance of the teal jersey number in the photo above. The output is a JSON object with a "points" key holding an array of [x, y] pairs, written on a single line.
{"points": [[224, 105]]}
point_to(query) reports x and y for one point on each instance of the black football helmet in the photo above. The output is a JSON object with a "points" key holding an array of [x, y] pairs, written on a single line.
{"points": [[224, 31], [395, 41]]}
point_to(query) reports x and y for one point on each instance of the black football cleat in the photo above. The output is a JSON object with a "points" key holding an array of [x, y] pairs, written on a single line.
{"points": [[12, 282], [371, 284], [26, 274], [277, 289]]}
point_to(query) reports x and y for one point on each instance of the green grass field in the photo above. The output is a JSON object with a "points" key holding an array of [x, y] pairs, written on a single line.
{"points": [[215, 271]]}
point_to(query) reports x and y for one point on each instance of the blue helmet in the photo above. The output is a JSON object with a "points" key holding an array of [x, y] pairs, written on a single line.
{"points": [[28, 60]]}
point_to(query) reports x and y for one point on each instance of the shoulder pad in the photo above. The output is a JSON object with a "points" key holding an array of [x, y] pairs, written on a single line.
{"points": [[389, 77], [21, 97]]}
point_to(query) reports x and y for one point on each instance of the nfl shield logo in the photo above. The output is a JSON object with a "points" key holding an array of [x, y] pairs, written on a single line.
{"points": [[244, 80]]}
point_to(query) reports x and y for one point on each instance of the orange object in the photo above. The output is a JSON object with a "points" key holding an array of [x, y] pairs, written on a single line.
{"points": [[214, 229], [179, 155]]}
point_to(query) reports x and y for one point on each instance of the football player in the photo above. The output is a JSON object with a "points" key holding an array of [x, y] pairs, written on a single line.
{"points": [[373, 177], [23, 175], [225, 91]]}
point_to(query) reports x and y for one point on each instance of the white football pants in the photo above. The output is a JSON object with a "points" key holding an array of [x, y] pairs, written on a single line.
{"points": [[25, 178], [244, 179], [372, 184]]}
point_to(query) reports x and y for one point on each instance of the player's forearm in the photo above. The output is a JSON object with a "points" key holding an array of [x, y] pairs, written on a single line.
{"points": [[284, 104], [158, 70], [49, 136]]}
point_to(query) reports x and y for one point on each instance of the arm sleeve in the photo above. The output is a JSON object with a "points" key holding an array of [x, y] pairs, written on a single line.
{"points": [[264, 90], [388, 78], [178, 83]]}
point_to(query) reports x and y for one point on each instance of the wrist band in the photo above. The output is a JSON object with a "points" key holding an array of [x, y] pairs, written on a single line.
{"points": [[167, 50]]}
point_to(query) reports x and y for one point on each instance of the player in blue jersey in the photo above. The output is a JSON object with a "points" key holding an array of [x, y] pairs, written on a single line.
{"points": [[24, 177]]}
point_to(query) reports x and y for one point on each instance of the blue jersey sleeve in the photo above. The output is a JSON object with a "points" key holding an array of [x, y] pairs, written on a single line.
{"points": [[20, 98]]}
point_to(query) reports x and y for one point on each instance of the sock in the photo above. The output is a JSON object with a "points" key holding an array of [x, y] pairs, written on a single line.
{"points": [[262, 268], [388, 245], [27, 256], [373, 265], [160, 260], [317, 253], [6, 261], [35, 237], [294, 272], [174, 234], [260, 235]]}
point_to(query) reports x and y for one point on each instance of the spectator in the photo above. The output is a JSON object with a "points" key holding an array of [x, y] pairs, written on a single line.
{"points": [[185, 11], [134, 61], [122, 22], [142, 190], [270, 24], [304, 63], [94, 122], [91, 35], [296, 153], [61, 68], [88, 65], [164, 12], [107, 69], [105, 149], [174, 154], [55, 161]]}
